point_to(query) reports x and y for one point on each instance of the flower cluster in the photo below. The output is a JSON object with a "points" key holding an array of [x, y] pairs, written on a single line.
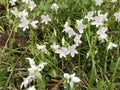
{"points": [[34, 72], [100, 19], [23, 15]]}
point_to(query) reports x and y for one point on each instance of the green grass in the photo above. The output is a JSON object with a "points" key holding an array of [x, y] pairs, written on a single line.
{"points": [[100, 71]]}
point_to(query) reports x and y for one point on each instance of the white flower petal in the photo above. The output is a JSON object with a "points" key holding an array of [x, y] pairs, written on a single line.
{"points": [[31, 62], [66, 75], [75, 79]]}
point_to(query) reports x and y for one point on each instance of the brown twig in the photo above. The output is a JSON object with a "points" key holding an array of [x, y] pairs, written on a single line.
{"points": [[3, 50], [58, 84]]}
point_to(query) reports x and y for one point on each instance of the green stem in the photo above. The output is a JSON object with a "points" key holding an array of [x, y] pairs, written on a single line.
{"points": [[7, 82], [105, 65], [113, 75]]}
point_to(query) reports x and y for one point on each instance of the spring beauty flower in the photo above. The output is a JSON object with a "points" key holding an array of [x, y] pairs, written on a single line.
{"points": [[33, 24], [55, 47], [15, 12], [97, 21], [70, 79], [24, 24], [111, 45], [102, 34], [100, 19], [77, 39], [68, 29], [80, 26], [26, 81], [89, 15], [42, 48], [32, 5], [23, 14], [45, 19], [103, 16], [98, 2], [117, 16], [72, 50], [34, 70], [54, 6], [62, 51]]}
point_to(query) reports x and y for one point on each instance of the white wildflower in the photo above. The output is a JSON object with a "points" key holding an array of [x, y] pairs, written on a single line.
{"points": [[24, 23], [54, 6], [98, 2], [72, 50], [80, 26], [23, 14], [42, 48], [15, 12], [111, 45], [45, 19], [69, 31], [55, 47], [77, 39], [97, 21], [71, 79], [33, 24], [31, 61], [27, 81], [32, 5], [103, 16], [117, 16], [89, 15], [102, 34], [34, 71], [63, 52]]}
